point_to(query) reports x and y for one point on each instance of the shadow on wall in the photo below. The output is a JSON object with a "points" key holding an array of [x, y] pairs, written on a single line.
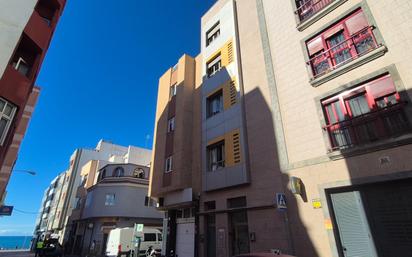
{"points": [[266, 173]]}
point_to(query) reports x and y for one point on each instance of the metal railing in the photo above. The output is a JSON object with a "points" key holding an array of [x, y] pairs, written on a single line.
{"points": [[377, 125], [330, 59], [308, 8]]}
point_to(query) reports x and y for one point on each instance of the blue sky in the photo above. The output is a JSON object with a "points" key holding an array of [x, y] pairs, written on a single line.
{"points": [[99, 80]]}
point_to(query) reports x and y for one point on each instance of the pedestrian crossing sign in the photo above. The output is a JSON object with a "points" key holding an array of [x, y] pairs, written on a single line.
{"points": [[281, 201]]}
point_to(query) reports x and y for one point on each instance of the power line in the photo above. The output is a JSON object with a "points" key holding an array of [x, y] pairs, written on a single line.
{"points": [[25, 212]]}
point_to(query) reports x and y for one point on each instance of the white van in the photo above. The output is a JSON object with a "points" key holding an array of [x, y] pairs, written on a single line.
{"points": [[122, 240]]}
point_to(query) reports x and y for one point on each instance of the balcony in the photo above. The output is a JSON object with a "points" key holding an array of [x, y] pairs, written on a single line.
{"points": [[388, 122], [308, 8], [343, 53]]}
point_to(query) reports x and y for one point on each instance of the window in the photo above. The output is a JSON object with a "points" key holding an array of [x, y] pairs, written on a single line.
{"points": [[7, 111], [138, 173], [172, 92], [171, 125], [169, 164], [237, 202], [110, 198], [216, 156], [343, 42], [25, 56], [149, 237], [89, 198], [365, 114], [214, 104], [308, 8], [46, 9], [213, 66], [118, 172], [212, 33]]}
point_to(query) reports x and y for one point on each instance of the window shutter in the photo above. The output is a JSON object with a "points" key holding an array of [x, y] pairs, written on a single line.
{"points": [[356, 23], [229, 94], [227, 54], [315, 45], [232, 148], [381, 87]]}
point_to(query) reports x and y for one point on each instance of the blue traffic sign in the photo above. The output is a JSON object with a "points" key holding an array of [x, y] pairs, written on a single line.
{"points": [[6, 210], [281, 201]]}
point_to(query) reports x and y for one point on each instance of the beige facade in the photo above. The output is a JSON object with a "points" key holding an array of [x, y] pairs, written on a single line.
{"points": [[310, 100]]}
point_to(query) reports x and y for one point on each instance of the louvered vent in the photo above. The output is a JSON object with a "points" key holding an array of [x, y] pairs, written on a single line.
{"points": [[230, 52], [236, 147], [233, 93]]}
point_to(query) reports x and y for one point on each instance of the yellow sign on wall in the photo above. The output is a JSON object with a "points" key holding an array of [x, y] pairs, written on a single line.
{"points": [[316, 203]]}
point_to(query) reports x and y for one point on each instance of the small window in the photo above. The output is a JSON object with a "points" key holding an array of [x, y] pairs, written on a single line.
{"points": [[212, 33], [25, 56], [110, 198], [138, 173], [103, 174], [186, 213], [47, 10], [118, 172], [149, 237], [169, 164], [211, 205], [216, 156], [89, 198], [173, 90], [179, 214], [171, 125], [213, 66], [214, 104], [7, 111], [237, 202]]}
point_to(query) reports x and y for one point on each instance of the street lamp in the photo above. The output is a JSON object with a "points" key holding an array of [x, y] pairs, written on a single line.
{"points": [[33, 173]]}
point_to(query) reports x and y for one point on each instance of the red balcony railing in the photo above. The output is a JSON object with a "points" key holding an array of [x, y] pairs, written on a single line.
{"points": [[357, 45], [370, 127], [308, 8]]}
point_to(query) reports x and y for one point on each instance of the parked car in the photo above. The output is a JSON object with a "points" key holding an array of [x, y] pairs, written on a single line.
{"points": [[122, 241]]}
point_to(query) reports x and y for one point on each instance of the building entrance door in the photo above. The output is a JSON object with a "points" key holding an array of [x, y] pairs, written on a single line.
{"points": [[355, 236], [239, 232]]}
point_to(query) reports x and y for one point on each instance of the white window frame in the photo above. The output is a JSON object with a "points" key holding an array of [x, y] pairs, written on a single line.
{"points": [[213, 33], [171, 125], [169, 164], [8, 118], [110, 200], [173, 90], [215, 65]]}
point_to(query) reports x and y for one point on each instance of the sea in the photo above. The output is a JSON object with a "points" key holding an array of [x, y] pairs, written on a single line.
{"points": [[15, 242]]}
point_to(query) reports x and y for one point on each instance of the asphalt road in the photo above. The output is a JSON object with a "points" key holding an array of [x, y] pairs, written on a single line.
{"points": [[16, 254]]}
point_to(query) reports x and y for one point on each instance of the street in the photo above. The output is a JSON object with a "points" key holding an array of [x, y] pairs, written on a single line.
{"points": [[16, 254]]}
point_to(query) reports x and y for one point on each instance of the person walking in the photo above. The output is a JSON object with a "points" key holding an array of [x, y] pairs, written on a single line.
{"points": [[39, 248]]}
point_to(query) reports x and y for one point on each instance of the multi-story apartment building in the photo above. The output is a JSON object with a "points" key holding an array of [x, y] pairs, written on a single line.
{"points": [[62, 224], [175, 169], [307, 99], [112, 195], [26, 30], [48, 207]]}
